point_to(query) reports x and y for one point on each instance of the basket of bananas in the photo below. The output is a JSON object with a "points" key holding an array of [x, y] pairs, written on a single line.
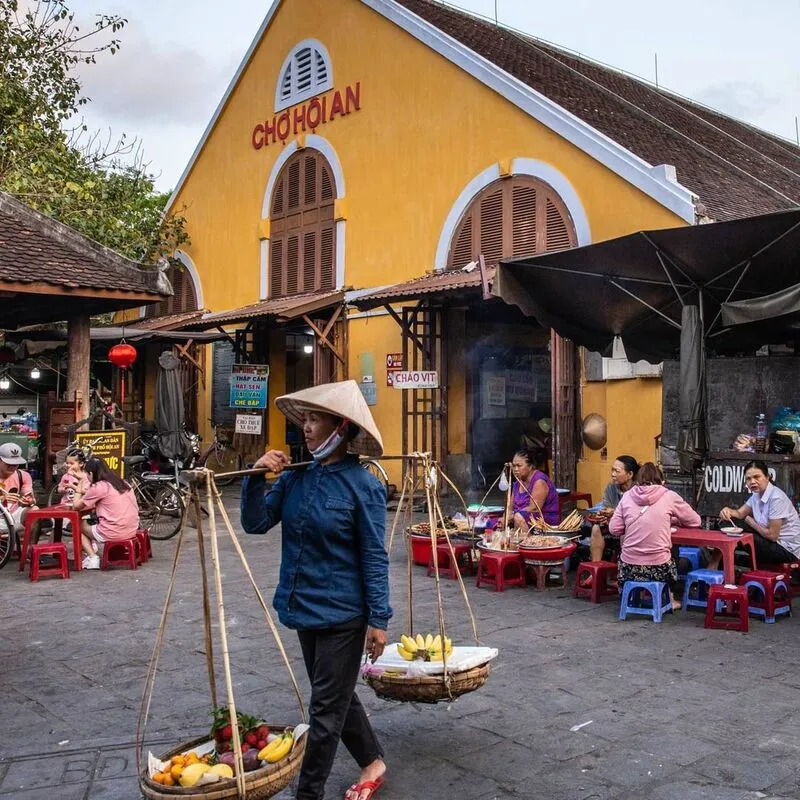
{"points": [[412, 686], [205, 769]]}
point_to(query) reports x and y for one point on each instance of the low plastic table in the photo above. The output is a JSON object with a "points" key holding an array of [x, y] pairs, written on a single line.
{"points": [[700, 537], [58, 514]]}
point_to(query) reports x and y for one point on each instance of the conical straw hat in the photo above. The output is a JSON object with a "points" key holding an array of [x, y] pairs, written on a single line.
{"points": [[342, 399]]}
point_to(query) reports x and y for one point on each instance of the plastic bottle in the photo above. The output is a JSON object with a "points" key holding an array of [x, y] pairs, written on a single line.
{"points": [[761, 433]]}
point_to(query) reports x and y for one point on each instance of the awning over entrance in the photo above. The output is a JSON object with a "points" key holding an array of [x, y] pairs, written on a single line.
{"points": [[452, 284], [278, 309], [635, 286]]}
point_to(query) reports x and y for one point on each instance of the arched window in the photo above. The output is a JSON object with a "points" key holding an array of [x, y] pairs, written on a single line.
{"points": [[511, 217], [184, 297], [302, 247], [306, 72]]}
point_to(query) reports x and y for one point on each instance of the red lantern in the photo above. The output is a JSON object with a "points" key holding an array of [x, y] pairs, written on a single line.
{"points": [[122, 355]]}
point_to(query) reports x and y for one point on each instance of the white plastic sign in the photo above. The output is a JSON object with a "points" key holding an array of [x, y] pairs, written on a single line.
{"points": [[416, 379], [248, 423]]}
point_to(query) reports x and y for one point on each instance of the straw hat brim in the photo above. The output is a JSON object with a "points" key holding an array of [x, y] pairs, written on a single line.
{"points": [[342, 399]]}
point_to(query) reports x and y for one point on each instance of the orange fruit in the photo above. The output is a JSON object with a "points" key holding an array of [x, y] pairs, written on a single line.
{"points": [[158, 778], [192, 759], [176, 771], [168, 780], [178, 761]]}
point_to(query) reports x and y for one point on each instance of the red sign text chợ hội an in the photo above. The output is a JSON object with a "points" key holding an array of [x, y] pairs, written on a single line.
{"points": [[307, 116]]}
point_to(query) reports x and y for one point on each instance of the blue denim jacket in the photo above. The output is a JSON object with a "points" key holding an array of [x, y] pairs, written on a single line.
{"points": [[334, 566]]}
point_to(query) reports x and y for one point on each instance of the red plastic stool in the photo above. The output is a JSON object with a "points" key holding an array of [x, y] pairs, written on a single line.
{"points": [[57, 549], [447, 564], [145, 547], [733, 608], [792, 572], [121, 553], [768, 593], [492, 569], [604, 580]]}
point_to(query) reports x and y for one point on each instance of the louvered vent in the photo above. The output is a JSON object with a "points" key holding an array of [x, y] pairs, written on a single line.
{"points": [[303, 70], [306, 72], [183, 298]]}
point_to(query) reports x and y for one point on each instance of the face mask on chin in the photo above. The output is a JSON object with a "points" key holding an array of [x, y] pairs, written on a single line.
{"points": [[332, 443]]}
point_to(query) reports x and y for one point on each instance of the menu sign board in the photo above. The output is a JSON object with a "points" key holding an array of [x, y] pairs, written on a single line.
{"points": [[249, 383]]}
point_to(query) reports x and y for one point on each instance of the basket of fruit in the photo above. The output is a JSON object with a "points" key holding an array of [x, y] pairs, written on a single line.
{"points": [[205, 769], [410, 684]]}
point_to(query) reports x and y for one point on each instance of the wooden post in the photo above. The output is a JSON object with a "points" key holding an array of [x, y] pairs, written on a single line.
{"points": [[79, 360]]}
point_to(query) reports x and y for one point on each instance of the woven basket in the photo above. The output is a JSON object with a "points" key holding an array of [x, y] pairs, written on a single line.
{"points": [[260, 783], [428, 688]]}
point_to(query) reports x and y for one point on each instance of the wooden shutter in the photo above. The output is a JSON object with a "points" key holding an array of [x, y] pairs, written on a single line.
{"points": [[462, 250], [302, 226], [183, 298], [560, 235], [327, 258], [512, 217], [491, 230]]}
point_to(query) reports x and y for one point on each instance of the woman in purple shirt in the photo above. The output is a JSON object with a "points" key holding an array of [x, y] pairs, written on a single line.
{"points": [[532, 493]]}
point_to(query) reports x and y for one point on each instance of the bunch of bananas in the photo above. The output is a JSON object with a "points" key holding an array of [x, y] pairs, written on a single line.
{"points": [[424, 648], [278, 748]]}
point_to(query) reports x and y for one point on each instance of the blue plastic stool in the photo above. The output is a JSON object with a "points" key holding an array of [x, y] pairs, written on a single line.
{"points": [[633, 603], [703, 578], [691, 554]]}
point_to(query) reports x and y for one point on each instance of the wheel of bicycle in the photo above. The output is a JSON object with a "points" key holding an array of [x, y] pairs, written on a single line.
{"points": [[374, 468], [161, 508], [223, 459], [6, 536], [53, 497]]}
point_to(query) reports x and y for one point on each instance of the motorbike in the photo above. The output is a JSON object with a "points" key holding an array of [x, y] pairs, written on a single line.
{"points": [[156, 461]]}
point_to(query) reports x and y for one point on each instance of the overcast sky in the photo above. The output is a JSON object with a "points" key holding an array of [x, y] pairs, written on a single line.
{"points": [[178, 58]]}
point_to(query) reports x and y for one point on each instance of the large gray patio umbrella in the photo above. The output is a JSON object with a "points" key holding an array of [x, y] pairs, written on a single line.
{"points": [[170, 414], [682, 292]]}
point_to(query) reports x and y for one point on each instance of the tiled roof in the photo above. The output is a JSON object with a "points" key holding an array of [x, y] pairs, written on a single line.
{"points": [[279, 308], [432, 284], [736, 169], [37, 249]]}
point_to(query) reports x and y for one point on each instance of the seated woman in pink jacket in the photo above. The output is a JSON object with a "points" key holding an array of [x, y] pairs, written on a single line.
{"points": [[643, 520]]}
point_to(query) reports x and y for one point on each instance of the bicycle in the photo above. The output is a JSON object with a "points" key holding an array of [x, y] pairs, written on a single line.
{"points": [[375, 468], [221, 457], [161, 503]]}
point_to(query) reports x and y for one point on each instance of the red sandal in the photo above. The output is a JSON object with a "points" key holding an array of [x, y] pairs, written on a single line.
{"points": [[370, 786]]}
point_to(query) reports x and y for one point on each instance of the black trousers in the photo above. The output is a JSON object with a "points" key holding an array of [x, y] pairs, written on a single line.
{"points": [[333, 659], [770, 552]]}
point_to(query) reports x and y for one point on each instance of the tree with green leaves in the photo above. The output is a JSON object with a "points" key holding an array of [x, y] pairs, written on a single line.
{"points": [[48, 159]]}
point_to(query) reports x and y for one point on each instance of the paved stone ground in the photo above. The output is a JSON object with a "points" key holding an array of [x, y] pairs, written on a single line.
{"points": [[579, 705]]}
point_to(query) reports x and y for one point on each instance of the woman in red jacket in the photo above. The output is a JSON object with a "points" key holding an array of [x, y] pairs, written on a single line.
{"points": [[643, 519]]}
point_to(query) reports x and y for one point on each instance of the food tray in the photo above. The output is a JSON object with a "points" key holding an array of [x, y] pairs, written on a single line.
{"points": [[562, 541]]}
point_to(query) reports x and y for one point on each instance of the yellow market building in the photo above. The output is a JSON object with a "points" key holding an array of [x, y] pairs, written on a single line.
{"points": [[372, 160]]}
